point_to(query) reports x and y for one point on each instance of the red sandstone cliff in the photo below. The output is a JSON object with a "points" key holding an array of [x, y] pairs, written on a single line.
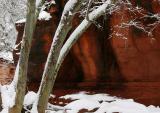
{"points": [[128, 65]]}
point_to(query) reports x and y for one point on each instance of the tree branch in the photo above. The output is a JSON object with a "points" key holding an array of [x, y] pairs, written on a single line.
{"points": [[79, 31], [87, 11]]}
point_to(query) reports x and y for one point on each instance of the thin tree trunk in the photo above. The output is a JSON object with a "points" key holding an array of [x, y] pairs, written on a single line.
{"points": [[49, 77], [20, 81], [0, 102], [23, 60]]}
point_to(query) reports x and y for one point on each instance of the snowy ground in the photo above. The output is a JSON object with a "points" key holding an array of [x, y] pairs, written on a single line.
{"points": [[95, 103], [82, 102]]}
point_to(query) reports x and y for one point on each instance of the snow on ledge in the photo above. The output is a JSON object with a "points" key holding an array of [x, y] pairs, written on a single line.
{"points": [[21, 21]]}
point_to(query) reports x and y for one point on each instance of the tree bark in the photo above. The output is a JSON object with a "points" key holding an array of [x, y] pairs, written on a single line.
{"points": [[20, 81], [48, 78], [23, 60]]}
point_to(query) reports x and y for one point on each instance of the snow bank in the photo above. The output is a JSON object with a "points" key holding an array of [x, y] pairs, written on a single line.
{"points": [[110, 104], [102, 102], [153, 109]]}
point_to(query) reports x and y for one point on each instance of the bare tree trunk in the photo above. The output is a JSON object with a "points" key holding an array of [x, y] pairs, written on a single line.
{"points": [[20, 83], [23, 61], [49, 77]]}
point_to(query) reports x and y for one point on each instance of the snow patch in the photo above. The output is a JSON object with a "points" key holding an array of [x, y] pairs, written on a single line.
{"points": [[44, 16], [153, 109], [122, 106], [84, 95], [21, 21], [110, 104], [83, 104], [8, 96], [6, 55], [34, 110], [29, 98]]}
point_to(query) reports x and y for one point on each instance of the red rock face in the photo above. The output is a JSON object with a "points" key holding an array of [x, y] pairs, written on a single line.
{"points": [[123, 67], [6, 72], [138, 55]]}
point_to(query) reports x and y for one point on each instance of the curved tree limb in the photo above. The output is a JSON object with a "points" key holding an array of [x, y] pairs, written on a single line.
{"points": [[79, 31]]}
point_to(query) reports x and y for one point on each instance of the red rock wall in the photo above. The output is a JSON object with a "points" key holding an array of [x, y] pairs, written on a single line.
{"points": [[138, 55], [6, 72], [121, 66]]}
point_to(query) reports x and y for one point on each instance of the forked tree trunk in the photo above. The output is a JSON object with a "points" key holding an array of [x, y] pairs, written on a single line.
{"points": [[77, 33], [49, 77], [51, 74]]}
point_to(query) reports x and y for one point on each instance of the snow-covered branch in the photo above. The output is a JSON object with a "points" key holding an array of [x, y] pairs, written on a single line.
{"points": [[80, 30], [140, 18]]}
